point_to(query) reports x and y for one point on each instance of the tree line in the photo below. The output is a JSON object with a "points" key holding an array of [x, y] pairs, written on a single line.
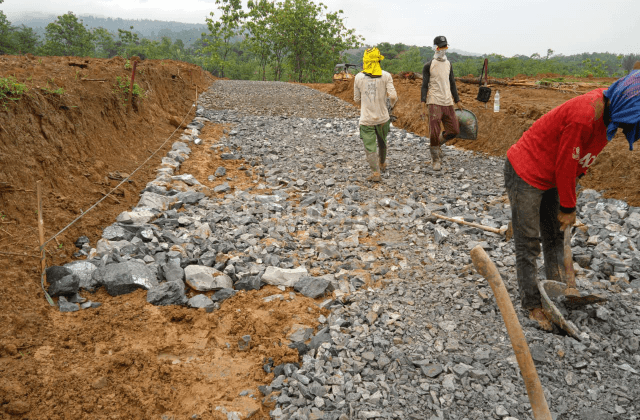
{"points": [[296, 40], [404, 58], [290, 40]]}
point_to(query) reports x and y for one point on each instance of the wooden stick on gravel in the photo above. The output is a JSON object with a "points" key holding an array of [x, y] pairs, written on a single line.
{"points": [[476, 225], [488, 270]]}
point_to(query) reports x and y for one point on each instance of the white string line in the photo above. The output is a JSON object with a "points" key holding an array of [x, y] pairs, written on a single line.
{"points": [[117, 186]]}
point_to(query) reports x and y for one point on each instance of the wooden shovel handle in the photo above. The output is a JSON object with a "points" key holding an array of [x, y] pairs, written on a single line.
{"points": [[568, 260], [488, 270], [476, 225]]}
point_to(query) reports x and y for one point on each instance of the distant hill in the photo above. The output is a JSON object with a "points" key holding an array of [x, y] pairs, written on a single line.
{"points": [[465, 53], [359, 51], [150, 29]]}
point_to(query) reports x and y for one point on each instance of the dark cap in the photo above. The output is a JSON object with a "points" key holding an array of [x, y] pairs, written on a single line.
{"points": [[440, 41]]}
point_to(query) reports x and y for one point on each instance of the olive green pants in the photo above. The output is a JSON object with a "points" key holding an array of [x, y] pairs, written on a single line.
{"points": [[374, 137]]}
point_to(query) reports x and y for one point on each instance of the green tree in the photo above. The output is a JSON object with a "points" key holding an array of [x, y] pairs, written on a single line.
{"points": [[628, 61], [67, 36], [222, 30], [25, 40], [595, 67], [261, 38], [104, 44], [410, 60], [6, 40], [127, 43], [315, 38]]}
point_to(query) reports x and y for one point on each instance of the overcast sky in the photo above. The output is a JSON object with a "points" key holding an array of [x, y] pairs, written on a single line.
{"points": [[506, 27]]}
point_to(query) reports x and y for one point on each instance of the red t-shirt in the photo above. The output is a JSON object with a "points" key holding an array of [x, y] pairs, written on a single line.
{"points": [[561, 146]]}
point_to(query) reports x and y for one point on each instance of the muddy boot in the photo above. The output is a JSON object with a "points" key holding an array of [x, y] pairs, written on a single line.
{"points": [[382, 157], [543, 322], [372, 159], [435, 157], [375, 177]]}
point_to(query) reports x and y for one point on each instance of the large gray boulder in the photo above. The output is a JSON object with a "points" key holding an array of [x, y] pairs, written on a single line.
{"points": [[204, 279], [173, 272], [57, 272], [84, 271], [125, 277], [201, 301], [116, 233], [137, 217], [249, 282], [105, 246], [312, 287], [277, 276], [66, 286], [155, 201], [222, 295], [167, 293]]}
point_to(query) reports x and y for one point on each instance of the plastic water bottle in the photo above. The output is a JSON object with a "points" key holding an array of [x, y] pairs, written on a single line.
{"points": [[496, 101]]}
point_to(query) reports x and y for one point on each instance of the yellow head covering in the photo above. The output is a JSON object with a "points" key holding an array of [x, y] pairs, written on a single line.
{"points": [[371, 62]]}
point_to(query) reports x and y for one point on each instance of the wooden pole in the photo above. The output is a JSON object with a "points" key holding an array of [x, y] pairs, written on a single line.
{"points": [[133, 76], [40, 224], [488, 270], [43, 264]]}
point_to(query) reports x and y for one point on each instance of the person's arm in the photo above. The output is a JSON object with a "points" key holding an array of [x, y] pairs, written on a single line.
{"points": [[426, 75], [454, 89], [356, 91], [572, 139], [391, 91]]}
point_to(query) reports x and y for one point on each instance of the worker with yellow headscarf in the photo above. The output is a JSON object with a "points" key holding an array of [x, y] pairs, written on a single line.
{"points": [[371, 88]]}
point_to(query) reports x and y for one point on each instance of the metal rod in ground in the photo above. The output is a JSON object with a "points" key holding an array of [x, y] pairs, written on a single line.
{"points": [[43, 265], [488, 270]]}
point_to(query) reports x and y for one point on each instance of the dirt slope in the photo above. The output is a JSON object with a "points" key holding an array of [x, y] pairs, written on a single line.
{"points": [[126, 359], [613, 172]]}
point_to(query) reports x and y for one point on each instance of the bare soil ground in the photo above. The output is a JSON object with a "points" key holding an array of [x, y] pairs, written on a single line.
{"points": [[129, 359]]}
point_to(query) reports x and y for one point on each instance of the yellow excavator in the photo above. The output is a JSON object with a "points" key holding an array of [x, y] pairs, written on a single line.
{"points": [[342, 72]]}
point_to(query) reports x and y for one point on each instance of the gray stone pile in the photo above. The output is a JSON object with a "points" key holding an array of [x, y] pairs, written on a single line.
{"points": [[414, 331]]}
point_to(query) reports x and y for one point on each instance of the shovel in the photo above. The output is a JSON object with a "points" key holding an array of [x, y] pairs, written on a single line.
{"points": [[566, 292]]}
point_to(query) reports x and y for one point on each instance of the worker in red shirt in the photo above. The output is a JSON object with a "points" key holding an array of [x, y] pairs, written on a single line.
{"points": [[540, 176]]}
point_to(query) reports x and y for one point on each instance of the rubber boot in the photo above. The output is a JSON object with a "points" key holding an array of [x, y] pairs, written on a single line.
{"points": [[435, 157], [372, 158], [382, 157]]}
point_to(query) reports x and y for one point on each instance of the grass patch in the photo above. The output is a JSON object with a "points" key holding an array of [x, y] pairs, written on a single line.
{"points": [[121, 88], [10, 90]]}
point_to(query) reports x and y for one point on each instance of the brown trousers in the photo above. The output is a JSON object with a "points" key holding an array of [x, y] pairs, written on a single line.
{"points": [[446, 115]]}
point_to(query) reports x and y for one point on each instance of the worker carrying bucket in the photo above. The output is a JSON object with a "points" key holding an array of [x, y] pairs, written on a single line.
{"points": [[540, 178], [437, 96]]}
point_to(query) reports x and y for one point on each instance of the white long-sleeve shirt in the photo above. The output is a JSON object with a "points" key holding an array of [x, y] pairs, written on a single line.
{"points": [[372, 93]]}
